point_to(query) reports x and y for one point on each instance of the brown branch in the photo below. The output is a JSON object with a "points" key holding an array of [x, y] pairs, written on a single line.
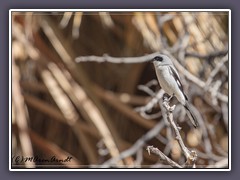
{"points": [[220, 164], [79, 128], [215, 71], [137, 145], [107, 58], [191, 156], [111, 99], [21, 115], [99, 119], [65, 19], [66, 107], [132, 99], [50, 149], [163, 156], [151, 103], [54, 113], [193, 78], [147, 58], [208, 56]]}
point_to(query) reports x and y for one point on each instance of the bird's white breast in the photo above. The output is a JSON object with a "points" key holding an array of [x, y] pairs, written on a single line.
{"points": [[168, 83]]}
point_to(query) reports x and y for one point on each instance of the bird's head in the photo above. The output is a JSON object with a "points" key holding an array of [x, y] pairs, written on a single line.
{"points": [[161, 60]]}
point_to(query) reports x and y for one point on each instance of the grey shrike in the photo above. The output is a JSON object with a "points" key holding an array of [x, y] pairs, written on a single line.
{"points": [[169, 80]]}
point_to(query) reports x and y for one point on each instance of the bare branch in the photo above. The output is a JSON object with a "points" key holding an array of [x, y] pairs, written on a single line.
{"points": [[137, 145], [146, 58], [220, 164], [193, 78], [215, 71], [65, 20], [151, 103], [163, 156], [208, 56], [107, 58], [191, 156]]}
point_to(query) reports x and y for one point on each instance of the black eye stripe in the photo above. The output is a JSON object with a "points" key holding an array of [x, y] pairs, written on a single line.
{"points": [[158, 58]]}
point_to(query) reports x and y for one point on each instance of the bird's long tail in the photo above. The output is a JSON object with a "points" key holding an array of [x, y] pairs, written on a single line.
{"points": [[191, 116]]}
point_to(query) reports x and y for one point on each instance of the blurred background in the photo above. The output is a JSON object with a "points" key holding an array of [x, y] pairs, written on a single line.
{"points": [[104, 111]]}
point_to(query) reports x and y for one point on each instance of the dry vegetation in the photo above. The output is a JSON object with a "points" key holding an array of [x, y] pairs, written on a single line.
{"points": [[74, 94]]}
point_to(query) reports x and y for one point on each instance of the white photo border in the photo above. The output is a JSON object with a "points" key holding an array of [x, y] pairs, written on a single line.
{"points": [[118, 10]]}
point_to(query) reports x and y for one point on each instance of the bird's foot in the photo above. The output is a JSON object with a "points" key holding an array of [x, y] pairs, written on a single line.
{"points": [[166, 97]]}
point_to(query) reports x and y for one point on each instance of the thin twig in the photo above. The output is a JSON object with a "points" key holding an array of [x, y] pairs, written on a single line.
{"points": [[107, 58], [65, 19], [193, 78], [190, 155], [215, 71], [146, 89], [99, 120], [76, 24], [21, 116], [137, 145], [163, 156], [208, 56], [151, 103], [220, 164], [146, 58]]}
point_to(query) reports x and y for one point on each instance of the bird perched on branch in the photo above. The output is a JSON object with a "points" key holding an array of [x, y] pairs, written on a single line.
{"points": [[169, 80]]}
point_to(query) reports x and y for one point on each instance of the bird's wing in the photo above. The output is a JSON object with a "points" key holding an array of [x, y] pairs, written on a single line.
{"points": [[174, 73]]}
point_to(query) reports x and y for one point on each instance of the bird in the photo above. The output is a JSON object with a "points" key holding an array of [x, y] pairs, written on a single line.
{"points": [[169, 81]]}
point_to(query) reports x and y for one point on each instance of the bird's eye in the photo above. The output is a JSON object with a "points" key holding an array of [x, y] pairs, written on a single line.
{"points": [[158, 58]]}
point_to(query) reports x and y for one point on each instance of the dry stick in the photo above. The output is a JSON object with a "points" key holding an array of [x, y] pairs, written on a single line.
{"points": [[19, 35], [110, 98], [123, 97], [141, 23], [193, 78], [209, 156], [99, 119], [21, 116], [163, 157], [34, 87], [106, 19], [137, 145], [224, 108], [178, 65], [146, 89], [151, 103], [220, 164], [54, 113], [146, 58], [133, 99], [139, 158], [191, 156], [76, 24], [208, 56], [107, 58], [73, 90], [65, 19], [67, 109], [183, 70], [50, 149], [214, 90], [149, 106], [215, 71], [29, 24]]}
